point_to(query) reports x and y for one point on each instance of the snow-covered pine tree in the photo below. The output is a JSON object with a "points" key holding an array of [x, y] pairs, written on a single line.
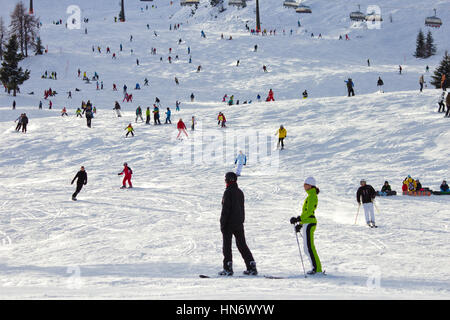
{"points": [[430, 47]]}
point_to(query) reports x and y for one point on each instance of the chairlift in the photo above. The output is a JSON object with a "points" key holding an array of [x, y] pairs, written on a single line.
{"points": [[303, 9], [372, 17], [357, 15], [189, 2], [291, 4], [237, 3], [433, 21]]}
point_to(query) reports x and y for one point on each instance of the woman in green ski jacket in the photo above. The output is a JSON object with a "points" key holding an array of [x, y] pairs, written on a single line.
{"points": [[307, 224]]}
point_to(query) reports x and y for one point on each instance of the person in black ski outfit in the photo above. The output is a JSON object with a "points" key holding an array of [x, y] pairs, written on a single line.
{"points": [[350, 86], [232, 223], [82, 180], [89, 114], [24, 123], [366, 194]]}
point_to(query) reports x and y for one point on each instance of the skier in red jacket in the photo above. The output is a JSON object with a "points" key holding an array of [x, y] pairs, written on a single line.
{"points": [[127, 172], [181, 128], [270, 96]]}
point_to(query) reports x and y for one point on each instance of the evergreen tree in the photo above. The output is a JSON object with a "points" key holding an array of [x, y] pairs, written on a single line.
{"points": [[11, 75], [38, 48], [420, 45], [430, 48], [3, 32], [443, 68]]}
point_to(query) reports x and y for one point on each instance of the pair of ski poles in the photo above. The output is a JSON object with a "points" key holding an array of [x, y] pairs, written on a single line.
{"points": [[359, 207], [299, 250]]}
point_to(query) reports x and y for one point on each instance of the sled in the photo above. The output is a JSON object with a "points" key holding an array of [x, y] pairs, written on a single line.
{"points": [[425, 193]]}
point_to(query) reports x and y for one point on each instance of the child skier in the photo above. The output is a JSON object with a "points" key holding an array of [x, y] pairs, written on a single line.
{"points": [[181, 128], [282, 133], [129, 130], [127, 172], [241, 160]]}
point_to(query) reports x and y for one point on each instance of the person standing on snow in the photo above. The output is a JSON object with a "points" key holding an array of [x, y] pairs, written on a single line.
{"points": [[366, 194], [168, 113], [181, 128], [117, 109], [147, 115], [241, 160], [193, 123], [156, 115], [24, 123], [306, 224], [421, 82], [270, 96], [82, 180], [350, 86], [139, 114], [282, 133], [127, 172], [232, 224]]}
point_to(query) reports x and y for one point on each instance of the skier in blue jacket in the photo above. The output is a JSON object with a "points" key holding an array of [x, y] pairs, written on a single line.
{"points": [[241, 160]]}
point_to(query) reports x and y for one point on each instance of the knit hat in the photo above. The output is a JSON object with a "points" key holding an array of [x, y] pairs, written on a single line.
{"points": [[311, 181]]}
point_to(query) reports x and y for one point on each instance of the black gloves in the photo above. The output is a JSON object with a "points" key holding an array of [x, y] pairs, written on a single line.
{"points": [[294, 220], [298, 227]]}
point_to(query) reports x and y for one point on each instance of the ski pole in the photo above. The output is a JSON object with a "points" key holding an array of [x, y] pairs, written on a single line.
{"points": [[359, 207], [300, 251], [378, 211]]}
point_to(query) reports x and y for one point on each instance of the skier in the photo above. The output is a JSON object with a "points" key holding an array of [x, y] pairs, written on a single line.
{"points": [[147, 115], [81, 178], [270, 96], [168, 113], [255, 48], [177, 106], [366, 194], [447, 101], [181, 128], [19, 122], [117, 109], [24, 123], [368, 62], [70, 95], [265, 68], [305, 94], [176, 81], [40, 104], [380, 84], [441, 102], [282, 133], [89, 114], [192, 97], [64, 112], [241, 160], [307, 224], [421, 82], [127, 172], [156, 115], [350, 86], [78, 113], [232, 223], [129, 130], [400, 69], [139, 114], [193, 122], [145, 82], [14, 105]]}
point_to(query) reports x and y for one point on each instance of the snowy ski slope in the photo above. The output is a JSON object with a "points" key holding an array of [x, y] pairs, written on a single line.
{"points": [[153, 241]]}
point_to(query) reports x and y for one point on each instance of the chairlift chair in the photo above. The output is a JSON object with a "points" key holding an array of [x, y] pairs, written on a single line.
{"points": [[433, 21]]}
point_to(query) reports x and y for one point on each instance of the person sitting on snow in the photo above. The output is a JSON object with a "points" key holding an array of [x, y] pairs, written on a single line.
{"points": [[445, 187]]}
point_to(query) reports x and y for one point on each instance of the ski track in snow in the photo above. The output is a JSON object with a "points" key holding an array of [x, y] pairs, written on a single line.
{"points": [[153, 241]]}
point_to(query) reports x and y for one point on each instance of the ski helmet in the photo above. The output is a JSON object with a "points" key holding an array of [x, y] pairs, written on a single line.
{"points": [[125, 164], [311, 181], [230, 177]]}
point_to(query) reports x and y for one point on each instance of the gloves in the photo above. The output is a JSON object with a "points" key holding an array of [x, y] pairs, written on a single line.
{"points": [[294, 220], [298, 227]]}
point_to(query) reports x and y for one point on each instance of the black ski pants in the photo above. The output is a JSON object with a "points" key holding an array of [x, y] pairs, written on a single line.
{"points": [[77, 191], [241, 244]]}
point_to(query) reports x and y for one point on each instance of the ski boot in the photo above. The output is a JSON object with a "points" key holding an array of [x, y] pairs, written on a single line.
{"points": [[74, 199], [227, 269], [311, 272], [251, 270], [123, 187]]}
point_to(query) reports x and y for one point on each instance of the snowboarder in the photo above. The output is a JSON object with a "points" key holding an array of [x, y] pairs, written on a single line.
{"points": [[366, 194], [127, 172], [181, 128], [232, 223], [282, 133], [306, 224], [129, 130], [350, 86], [168, 113], [240, 161], [81, 178]]}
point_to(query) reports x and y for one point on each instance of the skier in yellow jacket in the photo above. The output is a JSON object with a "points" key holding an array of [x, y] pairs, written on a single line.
{"points": [[282, 133]]}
